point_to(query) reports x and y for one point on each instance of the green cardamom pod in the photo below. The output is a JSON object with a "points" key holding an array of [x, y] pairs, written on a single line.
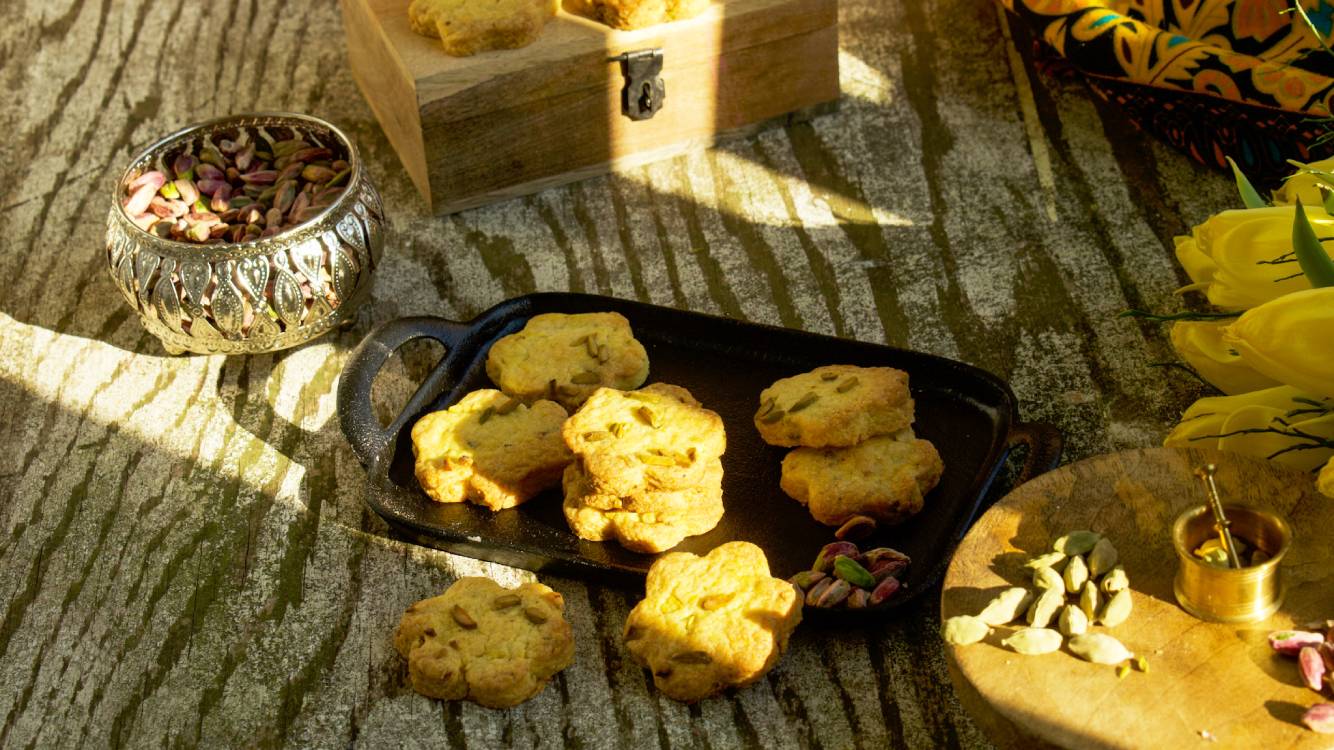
{"points": [[1102, 557], [1045, 607], [1076, 542], [1116, 610], [965, 629], [1046, 578], [1006, 607], [1115, 580], [1089, 600], [1076, 575], [1072, 621], [1051, 560], [1033, 641], [1099, 648]]}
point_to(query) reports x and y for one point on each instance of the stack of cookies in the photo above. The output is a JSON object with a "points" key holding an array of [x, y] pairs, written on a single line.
{"points": [[855, 451], [647, 471]]}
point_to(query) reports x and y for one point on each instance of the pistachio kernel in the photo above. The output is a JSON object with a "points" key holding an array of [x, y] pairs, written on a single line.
{"points": [[855, 528], [505, 601], [604, 354], [773, 416], [713, 601], [653, 459], [766, 407], [507, 407], [692, 657], [591, 346], [462, 617], [596, 435], [803, 402], [616, 428], [534, 615], [847, 385], [828, 376], [486, 414], [647, 416]]}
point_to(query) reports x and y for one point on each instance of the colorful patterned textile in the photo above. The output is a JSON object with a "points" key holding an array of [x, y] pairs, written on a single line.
{"points": [[1215, 78]]}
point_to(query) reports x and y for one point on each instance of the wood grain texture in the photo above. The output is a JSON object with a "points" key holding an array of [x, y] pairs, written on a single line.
{"points": [[187, 558], [500, 124], [1216, 678]]}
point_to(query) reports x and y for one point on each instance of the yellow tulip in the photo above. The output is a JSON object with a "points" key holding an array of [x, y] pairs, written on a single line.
{"points": [[1199, 267], [1301, 185], [1221, 254], [1242, 247], [1290, 339], [1325, 481], [1200, 344], [1277, 423]]}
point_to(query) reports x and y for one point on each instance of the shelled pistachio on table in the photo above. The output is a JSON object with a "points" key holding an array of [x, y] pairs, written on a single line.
{"points": [[845, 577], [236, 190], [1314, 650], [1083, 565]]}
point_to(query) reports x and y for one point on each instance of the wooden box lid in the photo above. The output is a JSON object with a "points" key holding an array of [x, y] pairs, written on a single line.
{"points": [[474, 129]]}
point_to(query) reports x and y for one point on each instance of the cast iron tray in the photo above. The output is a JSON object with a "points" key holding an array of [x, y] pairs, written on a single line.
{"points": [[969, 414]]}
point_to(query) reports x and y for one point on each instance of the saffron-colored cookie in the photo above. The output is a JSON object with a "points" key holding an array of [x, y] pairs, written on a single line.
{"points": [[484, 643], [638, 14], [651, 522], [885, 477], [835, 406], [490, 449], [566, 358], [466, 27], [713, 622], [655, 439]]}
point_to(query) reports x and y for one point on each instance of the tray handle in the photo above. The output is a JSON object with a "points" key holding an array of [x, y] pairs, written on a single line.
{"points": [[360, 426], [1044, 443]]}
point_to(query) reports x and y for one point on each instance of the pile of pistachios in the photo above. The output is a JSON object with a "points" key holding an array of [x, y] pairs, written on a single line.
{"points": [[1081, 566], [1313, 649], [845, 577], [236, 190]]}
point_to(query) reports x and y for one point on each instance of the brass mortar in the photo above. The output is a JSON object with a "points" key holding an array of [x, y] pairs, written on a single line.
{"points": [[1221, 594]]}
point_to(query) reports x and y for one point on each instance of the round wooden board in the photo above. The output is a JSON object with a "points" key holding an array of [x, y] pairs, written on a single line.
{"points": [[1203, 677]]}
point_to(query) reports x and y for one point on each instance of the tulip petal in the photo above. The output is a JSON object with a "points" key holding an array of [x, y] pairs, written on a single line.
{"points": [[1290, 339], [1200, 344]]}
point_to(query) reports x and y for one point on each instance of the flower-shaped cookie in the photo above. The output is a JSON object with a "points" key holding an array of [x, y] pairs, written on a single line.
{"points": [[479, 641], [713, 622]]}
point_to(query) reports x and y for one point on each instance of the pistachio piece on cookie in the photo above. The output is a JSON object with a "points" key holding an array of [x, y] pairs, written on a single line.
{"points": [[485, 643], [713, 622]]}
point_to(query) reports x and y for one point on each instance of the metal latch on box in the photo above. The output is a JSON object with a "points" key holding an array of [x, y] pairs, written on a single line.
{"points": [[644, 90]]}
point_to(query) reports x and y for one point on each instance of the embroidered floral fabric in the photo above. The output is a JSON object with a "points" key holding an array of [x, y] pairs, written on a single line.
{"points": [[1216, 78]]}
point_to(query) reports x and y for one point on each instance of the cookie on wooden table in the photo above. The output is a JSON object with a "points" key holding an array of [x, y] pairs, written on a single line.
{"points": [[834, 406], [886, 477], [485, 643], [654, 439], [490, 449], [683, 513], [466, 27], [567, 357], [713, 622], [638, 14]]}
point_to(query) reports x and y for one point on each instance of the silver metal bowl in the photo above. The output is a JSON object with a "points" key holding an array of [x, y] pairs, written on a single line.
{"points": [[260, 295]]}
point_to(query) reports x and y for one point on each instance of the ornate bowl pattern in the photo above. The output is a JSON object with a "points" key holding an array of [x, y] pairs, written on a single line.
{"points": [[261, 295]]}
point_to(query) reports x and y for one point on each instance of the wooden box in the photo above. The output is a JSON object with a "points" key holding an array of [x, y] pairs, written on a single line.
{"points": [[474, 130]]}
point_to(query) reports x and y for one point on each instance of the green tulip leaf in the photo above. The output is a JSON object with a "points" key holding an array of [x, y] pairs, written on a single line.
{"points": [[1249, 196], [1313, 259]]}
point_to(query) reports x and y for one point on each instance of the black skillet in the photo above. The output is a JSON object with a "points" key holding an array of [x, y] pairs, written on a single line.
{"points": [[969, 414]]}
